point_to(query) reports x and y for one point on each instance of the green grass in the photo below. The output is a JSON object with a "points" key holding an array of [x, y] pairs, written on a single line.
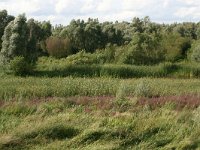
{"points": [[57, 109], [30, 87], [51, 67], [61, 124]]}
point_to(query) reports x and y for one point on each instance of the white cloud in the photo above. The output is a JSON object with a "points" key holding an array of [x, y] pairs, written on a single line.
{"points": [[62, 11], [21, 6], [62, 6], [190, 10], [184, 11], [121, 16], [190, 2], [89, 6], [136, 4], [166, 3]]}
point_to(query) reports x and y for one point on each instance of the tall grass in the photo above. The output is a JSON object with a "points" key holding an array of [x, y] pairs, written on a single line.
{"points": [[29, 87], [57, 125], [53, 68]]}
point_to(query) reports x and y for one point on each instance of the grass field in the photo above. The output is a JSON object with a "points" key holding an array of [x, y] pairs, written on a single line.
{"points": [[81, 111], [31, 87], [97, 123]]}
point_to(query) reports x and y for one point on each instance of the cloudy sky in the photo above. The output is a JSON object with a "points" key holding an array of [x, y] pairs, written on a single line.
{"points": [[62, 11]]}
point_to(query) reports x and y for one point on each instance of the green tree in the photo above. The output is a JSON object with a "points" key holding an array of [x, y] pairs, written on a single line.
{"points": [[175, 46], [198, 31], [195, 51], [137, 24], [140, 25], [93, 35], [187, 29], [144, 49], [57, 29], [44, 32], [4, 20], [111, 34], [15, 39], [75, 32], [33, 39]]}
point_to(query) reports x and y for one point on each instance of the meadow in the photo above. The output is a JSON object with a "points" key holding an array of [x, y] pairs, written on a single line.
{"points": [[93, 85], [98, 123], [110, 107], [31, 87]]}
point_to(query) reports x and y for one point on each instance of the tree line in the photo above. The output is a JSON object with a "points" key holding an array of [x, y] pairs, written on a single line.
{"points": [[140, 41]]}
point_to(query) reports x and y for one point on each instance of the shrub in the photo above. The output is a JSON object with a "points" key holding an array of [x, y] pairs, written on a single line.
{"points": [[121, 92], [58, 47], [121, 99], [20, 66], [86, 58], [143, 89], [109, 53], [195, 52]]}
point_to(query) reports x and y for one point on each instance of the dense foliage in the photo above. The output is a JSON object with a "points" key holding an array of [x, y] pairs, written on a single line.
{"points": [[4, 20], [20, 66], [140, 42]]}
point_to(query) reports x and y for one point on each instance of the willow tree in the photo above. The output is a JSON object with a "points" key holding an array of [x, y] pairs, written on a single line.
{"points": [[15, 39], [4, 20]]}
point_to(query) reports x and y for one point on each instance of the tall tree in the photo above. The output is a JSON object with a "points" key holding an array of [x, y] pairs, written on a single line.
{"points": [[111, 34], [187, 29], [34, 32], [75, 32], [93, 35], [4, 20], [42, 31], [15, 39], [198, 31]]}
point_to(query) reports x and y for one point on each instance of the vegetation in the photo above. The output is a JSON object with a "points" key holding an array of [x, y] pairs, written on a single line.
{"points": [[140, 42], [58, 47], [32, 87], [92, 85], [97, 123], [19, 66], [90, 65]]}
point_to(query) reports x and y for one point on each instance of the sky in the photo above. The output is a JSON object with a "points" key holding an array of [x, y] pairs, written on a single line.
{"points": [[63, 11]]}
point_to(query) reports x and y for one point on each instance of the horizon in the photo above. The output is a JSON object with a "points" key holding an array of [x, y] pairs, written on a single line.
{"points": [[63, 11]]}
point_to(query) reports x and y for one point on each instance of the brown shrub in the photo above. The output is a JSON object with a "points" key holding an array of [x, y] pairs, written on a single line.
{"points": [[58, 47]]}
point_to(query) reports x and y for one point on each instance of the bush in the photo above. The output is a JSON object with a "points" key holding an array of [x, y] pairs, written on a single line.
{"points": [[143, 89], [58, 47], [82, 57], [109, 53], [195, 52], [20, 66]]}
